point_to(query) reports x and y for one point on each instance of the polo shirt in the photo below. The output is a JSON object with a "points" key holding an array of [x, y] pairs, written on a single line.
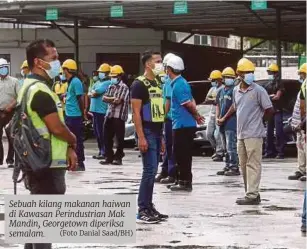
{"points": [[97, 104], [167, 94], [75, 90], [9, 88], [181, 94], [250, 105]]}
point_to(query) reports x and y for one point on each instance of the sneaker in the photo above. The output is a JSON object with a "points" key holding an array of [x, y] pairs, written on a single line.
{"points": [[217, 159], [303, 228], [146, 217], [10, 166], [117, 162], [106, 162], [157, 214], [267, 156], [233, 172], [280, 157], [297, 175], [160, 176], [222, 172], [96, 156], [182, 186], [80, 169], [167, 180], [213, 156], [303, 178], [249, 201], [174, 184]]}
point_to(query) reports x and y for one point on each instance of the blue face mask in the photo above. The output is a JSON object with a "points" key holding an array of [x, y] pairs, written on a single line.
{"points": [[229, 82], [62, 77], [55, 67], [249, 78], [101, 75], [95, 78], [114, 81], [213, 84], [4, 71], [271, 77]]}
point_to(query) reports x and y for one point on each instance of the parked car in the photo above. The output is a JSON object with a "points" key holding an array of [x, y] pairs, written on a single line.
{"points": [[200, 134], [129, 129]]}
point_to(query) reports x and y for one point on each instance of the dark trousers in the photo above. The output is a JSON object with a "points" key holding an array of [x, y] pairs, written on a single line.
{"points": [[98, 122], [168, 136], [10, 154], [275, 122], [114, 127], [51, 182], [183, 148], [75, 125]]}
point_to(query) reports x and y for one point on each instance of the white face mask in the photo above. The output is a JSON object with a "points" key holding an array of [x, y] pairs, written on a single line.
{"points": [[22, 73], [271, 77], [158, 68]]}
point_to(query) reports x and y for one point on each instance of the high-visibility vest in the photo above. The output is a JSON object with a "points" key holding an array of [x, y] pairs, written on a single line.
{"points": [[58, 146], [153, 111], [303, 89]]}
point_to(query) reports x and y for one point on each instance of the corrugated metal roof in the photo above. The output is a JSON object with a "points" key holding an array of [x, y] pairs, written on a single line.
{"points": [[220, 18]]}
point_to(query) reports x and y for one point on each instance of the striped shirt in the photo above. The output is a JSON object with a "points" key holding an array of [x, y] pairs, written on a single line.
{"points": [[119, 91], [9, 88], [296, 116]]}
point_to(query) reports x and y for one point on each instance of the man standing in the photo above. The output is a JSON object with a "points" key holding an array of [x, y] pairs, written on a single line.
{"points": [[98, 107], [275, 89], [43, 61], [252, 103], [74, 109], [9, 88], [184, 118], [25, 71], [117, 96], [213, 133], [228, 130], [148, 117]]}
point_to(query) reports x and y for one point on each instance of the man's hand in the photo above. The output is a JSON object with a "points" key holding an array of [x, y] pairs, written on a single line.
{"points": [[162, 146], [220, 121], [71, 159], [200, 120], [116, 101], [142, 143], [85, 116]]}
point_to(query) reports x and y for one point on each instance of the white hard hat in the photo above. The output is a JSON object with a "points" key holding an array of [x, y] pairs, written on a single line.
{"points": [[176, 63], [3, 62], [167, 57]]}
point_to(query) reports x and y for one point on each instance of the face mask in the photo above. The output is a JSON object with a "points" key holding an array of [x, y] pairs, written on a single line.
{"points": [[114, 81], [249, 78], [95, 78], [62, 77], [213, 84], [55, 67], [158, 68], [4, 71], [101, 75], [229, 82], [301, 81], [271, 77], [22, 73]]}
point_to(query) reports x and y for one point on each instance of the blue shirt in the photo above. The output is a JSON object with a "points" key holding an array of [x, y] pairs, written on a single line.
{"points": [[224, 99], [167, 94], [75, 90], [181, 94], [97, 104]]}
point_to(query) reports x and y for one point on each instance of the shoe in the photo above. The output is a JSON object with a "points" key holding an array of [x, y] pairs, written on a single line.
{"points": [[303, 179], [280, 157], [182, 186], [217, 159], [157, 214], [95, 156], [10, 166], [297, 175], [222, 172], [233, 172], [303, 228], [106, 162], [267, 156], [136, 148], [160, 176], [213, 156], [80, 169], [117, 162], [167, 180], [146, 217], [249, 201], [174, 184], [99, 157]]}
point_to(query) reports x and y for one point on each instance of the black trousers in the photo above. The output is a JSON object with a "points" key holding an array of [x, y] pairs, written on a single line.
{"points": [[52, 182], [114, 127], [10, 154], [183, 148]]}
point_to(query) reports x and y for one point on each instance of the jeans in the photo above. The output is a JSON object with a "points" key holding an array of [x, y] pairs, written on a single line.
{"points": [[75, 125], [275, 122], [50, 183], [304, 210], [114, 127], [150, 160], [98, 122], [214, 137], [183, 147], [168, 136], [229, 139]]}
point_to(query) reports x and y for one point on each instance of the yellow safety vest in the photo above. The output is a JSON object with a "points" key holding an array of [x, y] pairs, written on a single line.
{"points": [[154, 110], [58, 146], [303, 89]]}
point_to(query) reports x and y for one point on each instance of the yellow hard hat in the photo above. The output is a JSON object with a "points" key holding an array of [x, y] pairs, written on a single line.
{"points": [[24, 64], [228, 72], [215, 74], [273, 68], [104, 68], [303, 68], [70, 64], [116, 70], [245, 65]]}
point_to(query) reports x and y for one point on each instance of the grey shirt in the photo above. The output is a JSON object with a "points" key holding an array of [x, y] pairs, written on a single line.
{"points": [[9, 88], [211, 95], [250, 105]]}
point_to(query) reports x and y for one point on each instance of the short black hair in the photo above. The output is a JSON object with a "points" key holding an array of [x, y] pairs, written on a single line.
{"points": [[146, 56], [156, 53], [37, 49]]}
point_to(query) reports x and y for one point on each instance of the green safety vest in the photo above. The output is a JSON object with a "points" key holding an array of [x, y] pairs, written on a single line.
{"points": [[154, 111], [58, 146], [303, 89]]}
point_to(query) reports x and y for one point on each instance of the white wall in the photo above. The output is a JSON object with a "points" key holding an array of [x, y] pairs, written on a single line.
{"points": [[91, 41]]}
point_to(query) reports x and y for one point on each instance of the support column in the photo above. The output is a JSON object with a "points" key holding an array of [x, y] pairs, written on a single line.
{"points": [[76, 38], [278, 39], [165, 38], [241, 45]]}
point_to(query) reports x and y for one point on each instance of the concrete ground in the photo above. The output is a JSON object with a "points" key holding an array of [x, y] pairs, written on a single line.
{"points": [[205, 218]]}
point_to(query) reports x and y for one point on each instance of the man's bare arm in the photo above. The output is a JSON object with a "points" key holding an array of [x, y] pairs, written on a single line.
{"points": [[136, 105], [268, 113], [167, 105], [230, 112], [108, 99]]}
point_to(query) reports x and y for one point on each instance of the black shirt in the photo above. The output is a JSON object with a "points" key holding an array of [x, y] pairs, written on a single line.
{"points": [[140, 91], [42, 103], [272, 87]]}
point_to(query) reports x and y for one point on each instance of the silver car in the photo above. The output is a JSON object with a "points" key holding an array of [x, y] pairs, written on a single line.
{"points": [[200, 135]]}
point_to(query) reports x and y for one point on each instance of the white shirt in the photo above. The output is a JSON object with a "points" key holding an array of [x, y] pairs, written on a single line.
{"points": [[9, 88]]}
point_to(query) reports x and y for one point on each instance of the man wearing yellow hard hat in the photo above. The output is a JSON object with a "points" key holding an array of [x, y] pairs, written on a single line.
{"points": [[24, 71], [212, 129], [60, 88], [251, 104], [228, 130], [98, 107], [275, 89], [74, 108], [117, 96]]}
